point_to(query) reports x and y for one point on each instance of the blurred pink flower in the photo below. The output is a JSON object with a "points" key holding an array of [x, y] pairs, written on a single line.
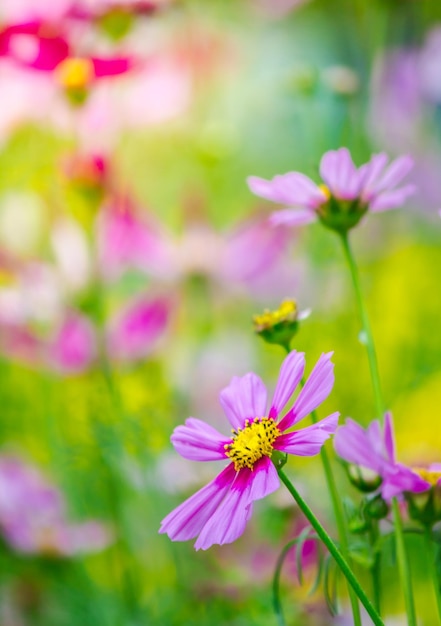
{"points": [[133, 332], [73, 348], [218, 513], [16, 11], [126, 240], [374, 449], [369, 187], [34, 44], [33, 515]]}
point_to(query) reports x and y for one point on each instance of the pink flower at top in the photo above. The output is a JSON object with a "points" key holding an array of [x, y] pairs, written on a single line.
{"points": [[346, 194], [33, 516], [134, 330], [15, 11], [374, 449], [218, 513]]}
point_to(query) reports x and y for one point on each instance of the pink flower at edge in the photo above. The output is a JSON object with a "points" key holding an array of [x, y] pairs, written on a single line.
{"points": [[33, 517], [373, 185], [218, 513], [374, 449]]}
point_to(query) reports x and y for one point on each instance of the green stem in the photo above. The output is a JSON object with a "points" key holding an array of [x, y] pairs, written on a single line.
{"points": [[370, 347], [276, 582], [432, 567], [334, 551], [340, 521], [403, 565], [376, 567], [366, 328]]}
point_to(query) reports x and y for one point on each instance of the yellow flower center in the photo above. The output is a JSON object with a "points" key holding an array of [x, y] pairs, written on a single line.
{"points": [[325, 190], [252, 442], [432, 476], [75, 73], [287, 312]]}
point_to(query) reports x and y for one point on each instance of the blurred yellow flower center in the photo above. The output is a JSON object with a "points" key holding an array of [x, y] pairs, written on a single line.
{"points": [[432, 476], [325, 190], [252, 442], [287, 312], [74, 73]]}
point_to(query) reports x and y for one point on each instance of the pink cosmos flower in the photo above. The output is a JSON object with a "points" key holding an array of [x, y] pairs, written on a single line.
{"points": [[33, 516], [218, 513], [372, 186], [374, 449]]}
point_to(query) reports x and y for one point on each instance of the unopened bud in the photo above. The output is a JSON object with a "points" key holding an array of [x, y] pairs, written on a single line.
{"points": [[363, 478]]}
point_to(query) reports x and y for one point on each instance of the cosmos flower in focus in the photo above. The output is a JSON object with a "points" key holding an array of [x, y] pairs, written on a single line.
{"points": [[373, 449], [344, 197], [218, 513], [33, 517]]}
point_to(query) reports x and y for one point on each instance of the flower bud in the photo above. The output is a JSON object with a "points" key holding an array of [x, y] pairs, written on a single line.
{"points": [[278, 326], [363, 478], [376, 507], [425, 507]]}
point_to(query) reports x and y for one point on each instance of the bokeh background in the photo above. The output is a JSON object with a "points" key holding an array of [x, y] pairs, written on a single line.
{"points": [[133, 257]]}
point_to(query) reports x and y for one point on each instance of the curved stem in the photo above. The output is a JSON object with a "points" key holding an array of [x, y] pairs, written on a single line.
{"points": [[366, 328], [277, 605], [340, 521], [334, 551], [432, 567], [403, 565]]}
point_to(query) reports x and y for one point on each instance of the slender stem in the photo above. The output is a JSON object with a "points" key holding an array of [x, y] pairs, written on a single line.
{"points": [[369, 341], [340, 521], [370, 347], [278, 610], [376, 567], [432, 567], [403, 564], [334, 551]]}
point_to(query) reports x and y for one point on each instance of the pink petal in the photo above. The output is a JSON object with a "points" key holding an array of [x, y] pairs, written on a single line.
{"points": [[292, 217], [340, 174], [111, 67], [351, 442], [391, 199], [293, 188], [244, 398], [264, 479], [187, 520], [317, 388], [389, 439], [133, 332], [74, 347], [290, 375], [395, 173], [398, 479], [370, 173], [308, 441], [199, 441], [229, 519]]}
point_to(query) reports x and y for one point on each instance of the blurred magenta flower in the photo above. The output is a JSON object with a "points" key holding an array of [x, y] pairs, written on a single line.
{"points": [[73, 348], [33, 516], [218, 513], [34, 44], [251, 255], [127, 240], [374, 449], [346, 194], [133, 332]]}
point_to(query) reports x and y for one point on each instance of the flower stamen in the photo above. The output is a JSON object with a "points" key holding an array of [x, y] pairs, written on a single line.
{"points": [[252, 442]]}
